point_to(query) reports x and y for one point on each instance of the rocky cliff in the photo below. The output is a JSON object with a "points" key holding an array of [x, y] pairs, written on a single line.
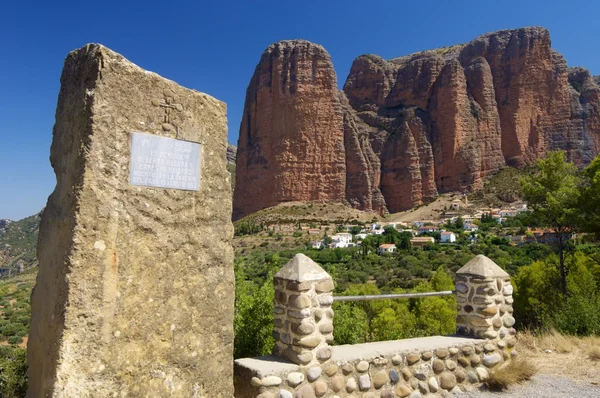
{"points": [[291, 145], [406, 129]]}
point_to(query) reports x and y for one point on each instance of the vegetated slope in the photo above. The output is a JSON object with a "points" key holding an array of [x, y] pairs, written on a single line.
{"points": [[405, 130], [18, 243], [502, 188]]}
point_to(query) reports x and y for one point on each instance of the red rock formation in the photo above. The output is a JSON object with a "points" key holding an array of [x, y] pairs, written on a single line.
{"points": [[405, 129], [291, 145]]}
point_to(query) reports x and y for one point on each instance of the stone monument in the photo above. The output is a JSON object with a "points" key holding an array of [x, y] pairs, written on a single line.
{"points": [[134, 295]]}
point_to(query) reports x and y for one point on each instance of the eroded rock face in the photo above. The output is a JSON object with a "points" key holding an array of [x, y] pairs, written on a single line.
{"points": [[291, 145], [444, 119], [134, 294]]}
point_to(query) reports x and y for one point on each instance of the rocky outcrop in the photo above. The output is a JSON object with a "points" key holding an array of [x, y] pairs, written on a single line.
{"points": [[437, 121], [230, 155], [291, 145]]}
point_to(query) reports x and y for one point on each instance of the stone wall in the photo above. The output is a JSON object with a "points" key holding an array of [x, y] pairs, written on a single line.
{"points": [[134, 295], [405, 368]]}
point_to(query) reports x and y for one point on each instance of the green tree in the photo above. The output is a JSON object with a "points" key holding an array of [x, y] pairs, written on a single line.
{"points": [[590, 198], [253, 316], [13, 372], [553, 194]]}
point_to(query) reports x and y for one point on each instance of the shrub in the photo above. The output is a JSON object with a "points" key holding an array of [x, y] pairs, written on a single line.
{"points": [[11, 329], [514, 372], [13, 372], [15, 340]]}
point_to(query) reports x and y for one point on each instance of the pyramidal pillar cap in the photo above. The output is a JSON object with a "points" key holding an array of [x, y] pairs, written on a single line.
{"points": [[483, 267], [302, 268]]}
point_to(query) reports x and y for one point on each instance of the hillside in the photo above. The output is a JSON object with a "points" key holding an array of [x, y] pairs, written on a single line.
{"points": [[18, 241]]}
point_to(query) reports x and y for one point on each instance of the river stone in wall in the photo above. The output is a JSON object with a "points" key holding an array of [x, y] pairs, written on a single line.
{"points": [[134, 295]]}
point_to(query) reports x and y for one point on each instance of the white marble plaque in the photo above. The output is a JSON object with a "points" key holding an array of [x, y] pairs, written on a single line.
{"points": [[164, 162]]}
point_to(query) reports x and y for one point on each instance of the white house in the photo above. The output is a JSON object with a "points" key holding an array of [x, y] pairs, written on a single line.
{"points": [[448, 237], [337, 244], [386, 248], [470, 227], [317, 244], [361, 236], [342, 237], [375, 226]]}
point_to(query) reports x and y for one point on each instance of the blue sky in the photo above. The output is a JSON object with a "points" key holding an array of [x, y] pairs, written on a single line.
{"points": [[214, 47]]}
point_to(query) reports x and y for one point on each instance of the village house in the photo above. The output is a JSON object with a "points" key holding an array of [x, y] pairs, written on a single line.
{"points": [[342, 237], [428, 228], [317, 244], [422, 241], [377, 232], [361, 236], [386, 248], [470, 227], [448, 237], [314, 231], [336, 244]]}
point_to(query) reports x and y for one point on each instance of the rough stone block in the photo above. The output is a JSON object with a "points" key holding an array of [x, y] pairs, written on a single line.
{"points": [[152, 264]]}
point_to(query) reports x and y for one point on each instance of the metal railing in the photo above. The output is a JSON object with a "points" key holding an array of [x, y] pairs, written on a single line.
{"points": [[393, 296]]}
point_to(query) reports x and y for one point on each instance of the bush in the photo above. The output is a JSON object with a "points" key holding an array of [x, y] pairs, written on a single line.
{"points": [[14, 340], [13, 372], [11, 329]]}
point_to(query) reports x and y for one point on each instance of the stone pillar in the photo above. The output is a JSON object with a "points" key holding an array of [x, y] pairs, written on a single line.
{"points": [[484, 298], [134, 295], [303, 313]]}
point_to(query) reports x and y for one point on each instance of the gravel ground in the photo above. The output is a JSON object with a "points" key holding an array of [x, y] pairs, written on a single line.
{"points": [[542, 386]]}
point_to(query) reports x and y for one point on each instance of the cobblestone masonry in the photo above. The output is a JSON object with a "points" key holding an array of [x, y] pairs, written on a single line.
{"points": [[433, 365], [303, 318]]}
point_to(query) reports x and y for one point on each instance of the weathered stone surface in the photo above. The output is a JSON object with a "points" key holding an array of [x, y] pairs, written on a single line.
{"points": [[394, 376], [326, 327], [271, 381], [320, 388], [403, 391], [299, 301], [492, 359], [362, 366], [482, 373], [427, 355], [314, 373], [364, 382], [337, 383], [295, 378], [380, 379], [306, 391], [447, 380], [438, 365], [464, 362], [291, 144], [330, 369], [405, 129], [112, 255], [397, 359], [433, 384], [351, 384], [285, 394], [411, 359]]}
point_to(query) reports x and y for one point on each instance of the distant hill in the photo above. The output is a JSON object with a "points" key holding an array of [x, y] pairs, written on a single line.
{"points": [[18, 241]]}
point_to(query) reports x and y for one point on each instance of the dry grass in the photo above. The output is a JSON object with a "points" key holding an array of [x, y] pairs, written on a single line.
{"points": [[594, 354], [514, 372], [562, 355]]}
